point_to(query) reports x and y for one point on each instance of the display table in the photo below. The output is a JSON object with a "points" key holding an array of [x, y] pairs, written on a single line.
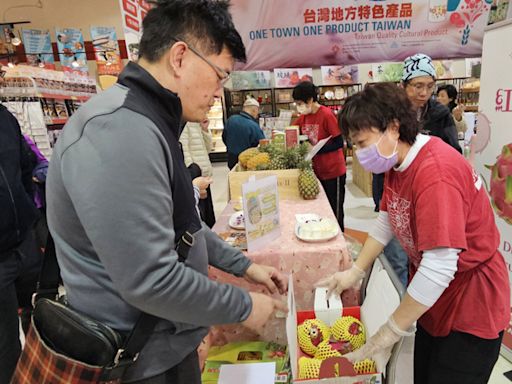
{"points": [[309, 262]]}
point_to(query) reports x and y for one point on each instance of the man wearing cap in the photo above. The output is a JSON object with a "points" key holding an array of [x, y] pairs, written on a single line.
{"points": [[419, 82], [242, 131], [435, 119]]}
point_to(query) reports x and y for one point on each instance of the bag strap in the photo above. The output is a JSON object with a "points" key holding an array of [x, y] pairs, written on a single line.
{"points": [[48, 287]]}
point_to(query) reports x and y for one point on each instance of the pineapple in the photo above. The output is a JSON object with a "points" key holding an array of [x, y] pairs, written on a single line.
{"points": [[308, 183], [293, 157], [277, 162], [246, 155], [262, 167], [272, 149], [258, 160], [304, 149]]}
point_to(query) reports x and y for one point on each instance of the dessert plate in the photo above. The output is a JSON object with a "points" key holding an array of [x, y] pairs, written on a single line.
{"points": [[313, 228], [237, 221]]}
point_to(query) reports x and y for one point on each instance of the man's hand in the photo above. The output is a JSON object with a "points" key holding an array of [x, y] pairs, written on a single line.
{"points": [[263, 307], [202, 183], [341, 281], [270, 277]]}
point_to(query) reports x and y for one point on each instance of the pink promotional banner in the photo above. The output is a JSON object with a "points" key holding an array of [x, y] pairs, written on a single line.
{"points": [[306, 33]]}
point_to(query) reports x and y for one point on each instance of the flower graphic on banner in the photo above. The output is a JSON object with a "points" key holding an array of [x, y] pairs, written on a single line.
{"points": [[465, 17]]}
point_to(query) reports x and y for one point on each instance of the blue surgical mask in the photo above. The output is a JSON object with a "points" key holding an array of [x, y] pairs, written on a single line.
{"points": [[373, 161]]}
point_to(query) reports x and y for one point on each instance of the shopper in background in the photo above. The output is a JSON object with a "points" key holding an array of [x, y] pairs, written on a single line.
{"points": [[447, 95], [120, 198], [318, 122], [39, 173], [19, 258], [242, 131], [419, 82], [438, 208], [196, 141]]}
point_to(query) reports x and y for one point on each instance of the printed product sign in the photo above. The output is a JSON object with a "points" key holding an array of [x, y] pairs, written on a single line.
{"points": [[261, 211], [250, 79], [71, 47], [387, 72], [38, 48], [108, 58], [339, 74], [132, 27], [492, 145], [393, 71], [290, 77], [301, 33]]}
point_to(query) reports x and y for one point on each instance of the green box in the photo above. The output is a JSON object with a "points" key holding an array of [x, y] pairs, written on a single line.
{"points": [[246, 353]]}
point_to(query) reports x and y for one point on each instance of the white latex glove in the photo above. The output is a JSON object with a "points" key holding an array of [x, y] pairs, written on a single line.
{"points": [[341, 281], [379, 346]]}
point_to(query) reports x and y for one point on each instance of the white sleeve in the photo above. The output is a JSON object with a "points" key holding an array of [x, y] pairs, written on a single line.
{"points": [[381, 230], [436, 271]]}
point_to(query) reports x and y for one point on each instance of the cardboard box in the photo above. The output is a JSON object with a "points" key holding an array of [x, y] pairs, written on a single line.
{"points": [[381, 301], [287, 182]]}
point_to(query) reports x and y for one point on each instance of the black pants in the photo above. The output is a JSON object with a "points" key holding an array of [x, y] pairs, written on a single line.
{"points": [[232, 160], [335, 191], [206, 209], [19, 272], [186, 372], [377, 189], [459, 358]]}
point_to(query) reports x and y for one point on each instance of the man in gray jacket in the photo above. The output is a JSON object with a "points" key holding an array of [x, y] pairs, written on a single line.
{"points": [[120, 198]]}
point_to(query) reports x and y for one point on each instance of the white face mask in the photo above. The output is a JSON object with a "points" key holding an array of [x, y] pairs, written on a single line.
{"points": [[303, 109]]}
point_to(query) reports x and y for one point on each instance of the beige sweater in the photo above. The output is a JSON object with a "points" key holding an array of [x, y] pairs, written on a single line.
{"points": [[461, 125], [197, 144]]}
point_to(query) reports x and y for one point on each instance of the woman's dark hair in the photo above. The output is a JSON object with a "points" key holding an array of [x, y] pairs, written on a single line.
{"points": [[451, 91], [304, 91], [377, 106], [205, 24]]}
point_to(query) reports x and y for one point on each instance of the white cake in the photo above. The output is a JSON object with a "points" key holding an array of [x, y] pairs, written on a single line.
{"points": [[318, 229]]}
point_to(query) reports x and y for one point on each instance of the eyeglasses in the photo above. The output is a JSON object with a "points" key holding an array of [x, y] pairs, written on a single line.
{"points": [[221, 74], [418, 87]]}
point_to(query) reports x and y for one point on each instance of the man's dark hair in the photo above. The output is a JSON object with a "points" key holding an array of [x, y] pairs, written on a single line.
{"points": [[377, 106], [205, 24], [305, 91], [451, 91]]}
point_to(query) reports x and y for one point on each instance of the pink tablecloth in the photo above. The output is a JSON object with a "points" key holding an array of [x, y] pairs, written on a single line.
{"points": [[307, 261]]}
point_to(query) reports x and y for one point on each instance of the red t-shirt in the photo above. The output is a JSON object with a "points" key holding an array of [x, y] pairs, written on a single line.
{"points": [[318, 126], [439, 201]]}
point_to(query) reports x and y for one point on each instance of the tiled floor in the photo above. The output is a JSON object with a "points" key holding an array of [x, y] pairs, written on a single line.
{"points": [[359, 215]]}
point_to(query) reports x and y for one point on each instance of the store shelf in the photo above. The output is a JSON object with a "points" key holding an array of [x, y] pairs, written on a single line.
{"points": [[470, 90], [58, 121], [471, 108], [63, 97]]}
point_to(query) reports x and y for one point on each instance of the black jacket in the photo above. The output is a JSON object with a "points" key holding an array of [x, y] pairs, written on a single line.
{"points": [[17, 210], [438, 121]]}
